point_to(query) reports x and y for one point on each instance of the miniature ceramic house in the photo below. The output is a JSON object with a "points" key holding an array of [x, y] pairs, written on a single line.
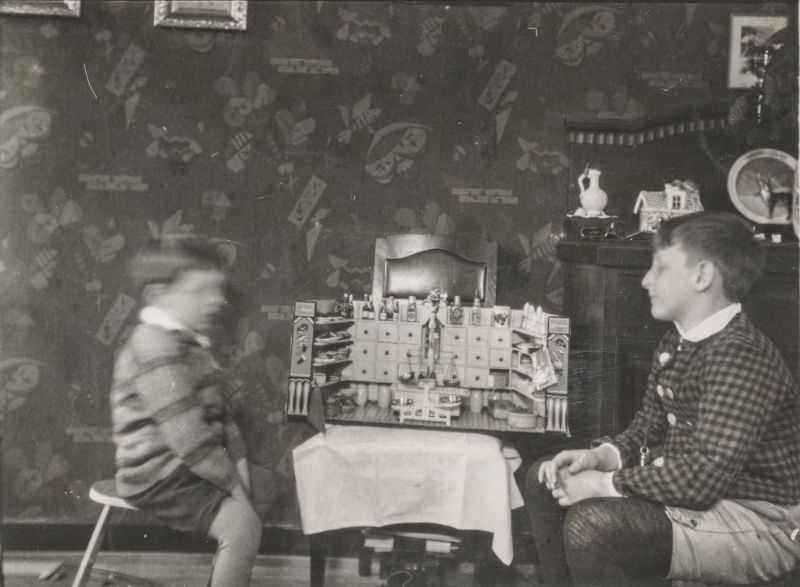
{"points": [[678, 198]]}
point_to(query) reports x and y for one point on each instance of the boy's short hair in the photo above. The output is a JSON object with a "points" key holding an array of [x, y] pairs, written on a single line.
{"points": [[164, 260], [723, 238]]}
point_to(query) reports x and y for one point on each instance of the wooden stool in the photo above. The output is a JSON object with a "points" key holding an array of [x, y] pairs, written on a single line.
{"points": [[105, 493]]}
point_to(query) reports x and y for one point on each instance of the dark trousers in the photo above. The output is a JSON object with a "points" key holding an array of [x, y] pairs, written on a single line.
{"points": [[599, 542]]}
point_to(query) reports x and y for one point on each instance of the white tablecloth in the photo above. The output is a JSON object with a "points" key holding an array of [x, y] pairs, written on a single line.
{"points": [[370, 476]]}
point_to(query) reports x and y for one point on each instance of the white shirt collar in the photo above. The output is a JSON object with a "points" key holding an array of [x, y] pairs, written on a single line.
{"points": [[711, 325], [157, 317]]}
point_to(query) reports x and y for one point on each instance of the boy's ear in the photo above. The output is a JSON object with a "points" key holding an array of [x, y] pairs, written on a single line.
{"points": [[705, 272]]}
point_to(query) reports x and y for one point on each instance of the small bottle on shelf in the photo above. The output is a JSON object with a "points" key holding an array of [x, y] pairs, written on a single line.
{"points": [[382, 313], [411, 309], [476, 313], [456, 314], [344, 309], [368, 310]]}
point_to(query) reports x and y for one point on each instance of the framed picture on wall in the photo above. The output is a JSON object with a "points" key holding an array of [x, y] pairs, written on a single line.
{"points": [[41, 7], [202, 14], [749, 33]]}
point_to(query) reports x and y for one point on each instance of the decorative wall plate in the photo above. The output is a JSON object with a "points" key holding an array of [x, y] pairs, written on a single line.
{"points": [[760, 185]]}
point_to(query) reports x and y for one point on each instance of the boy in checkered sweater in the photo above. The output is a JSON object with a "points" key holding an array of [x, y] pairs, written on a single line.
{"points": [[179, 455], [704, 485]]}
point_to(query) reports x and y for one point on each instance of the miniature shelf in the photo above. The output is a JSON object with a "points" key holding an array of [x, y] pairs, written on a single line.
{"points": [[331, 322], [332, 363], [467, 421], [332, 342], [330, 384]]}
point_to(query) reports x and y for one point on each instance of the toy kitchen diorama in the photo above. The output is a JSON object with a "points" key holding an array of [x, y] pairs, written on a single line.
{"points": [[443, 362]]}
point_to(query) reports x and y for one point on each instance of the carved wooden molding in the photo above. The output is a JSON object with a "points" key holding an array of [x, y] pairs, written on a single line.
{"points": [[583, 130]]}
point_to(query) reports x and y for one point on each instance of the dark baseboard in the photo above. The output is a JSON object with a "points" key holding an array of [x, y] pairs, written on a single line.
{"points": [[274, 541], [50, 536]]}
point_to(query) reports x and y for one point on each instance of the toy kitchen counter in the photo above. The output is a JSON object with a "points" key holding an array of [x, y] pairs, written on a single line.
{"points": [[422, 364]]}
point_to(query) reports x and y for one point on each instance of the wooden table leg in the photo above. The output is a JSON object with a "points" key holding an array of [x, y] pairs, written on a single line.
{"points": [[317, 560]]}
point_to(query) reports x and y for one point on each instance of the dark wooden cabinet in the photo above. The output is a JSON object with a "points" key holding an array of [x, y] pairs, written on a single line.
{"points": [[613, 334]]}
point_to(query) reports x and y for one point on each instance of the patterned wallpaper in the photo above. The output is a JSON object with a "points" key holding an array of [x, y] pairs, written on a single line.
{"points": [[294, 144]]}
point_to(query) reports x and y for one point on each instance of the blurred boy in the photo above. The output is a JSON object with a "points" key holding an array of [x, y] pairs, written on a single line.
{"points": [[179, 455], [704, 485]]}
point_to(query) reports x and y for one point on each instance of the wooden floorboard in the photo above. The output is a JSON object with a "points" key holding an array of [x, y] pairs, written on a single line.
{"points": [[23, 569], [156, 569]]}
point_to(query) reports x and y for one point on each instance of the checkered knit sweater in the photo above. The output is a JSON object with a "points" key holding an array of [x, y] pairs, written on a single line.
{"points": [[723, 414], [167, 408]]}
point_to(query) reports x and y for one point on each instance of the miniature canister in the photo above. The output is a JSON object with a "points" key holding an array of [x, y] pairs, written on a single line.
{"points": [[361, 394], [384, 396], [476, 401], [372, 392]]}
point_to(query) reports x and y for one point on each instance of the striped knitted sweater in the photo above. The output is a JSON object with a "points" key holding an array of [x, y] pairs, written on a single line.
{"points": [[167, 408]]}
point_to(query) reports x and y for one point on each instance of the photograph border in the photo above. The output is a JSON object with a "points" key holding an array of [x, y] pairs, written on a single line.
{"points": [[736, 59], [235, 19]]}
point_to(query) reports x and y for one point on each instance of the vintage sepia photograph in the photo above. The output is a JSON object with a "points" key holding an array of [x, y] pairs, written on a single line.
{"points": [[410, 293]]}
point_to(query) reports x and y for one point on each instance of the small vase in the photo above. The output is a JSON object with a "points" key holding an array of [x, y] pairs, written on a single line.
{"points": [[593, 197]]}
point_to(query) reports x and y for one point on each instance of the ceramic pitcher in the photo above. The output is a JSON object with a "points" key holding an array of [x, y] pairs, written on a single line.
{"points": [[593, 197]]}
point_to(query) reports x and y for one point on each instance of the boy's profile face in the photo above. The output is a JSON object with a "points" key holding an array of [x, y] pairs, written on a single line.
{"points": [[195, 299], [670, 284]]}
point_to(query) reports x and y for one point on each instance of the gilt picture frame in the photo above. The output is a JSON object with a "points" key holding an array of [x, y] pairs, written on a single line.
{"points": [[748, 33], [68, 8], [230, 15]]}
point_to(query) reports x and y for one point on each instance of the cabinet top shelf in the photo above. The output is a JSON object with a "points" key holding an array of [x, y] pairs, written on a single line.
{"points": [[781, 258]]}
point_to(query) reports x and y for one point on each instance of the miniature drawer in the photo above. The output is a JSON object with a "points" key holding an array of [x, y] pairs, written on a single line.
{"points": [[387, 332], [477, 357], [363, 351], [366, 330], [457, 355], [500, 338], [476, 377], [409, 334], [386, 351], [403, 351], [478, 336], [455, 336], [499, 358], [360, 371], [385, 371]]}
